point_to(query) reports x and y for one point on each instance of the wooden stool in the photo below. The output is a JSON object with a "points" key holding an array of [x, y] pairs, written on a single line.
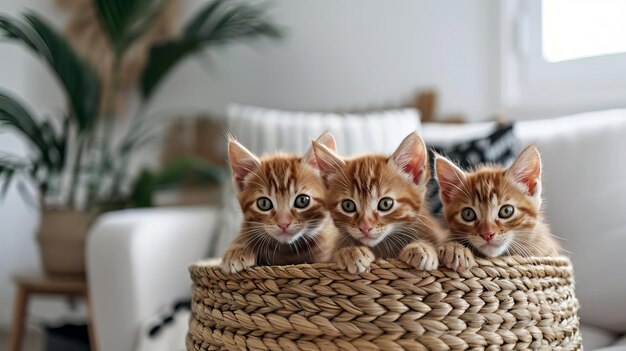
{"points": [[45, 285]]}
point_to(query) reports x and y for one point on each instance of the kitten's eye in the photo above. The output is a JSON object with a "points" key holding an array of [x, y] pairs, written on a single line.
{"points": [[348, 206], [468, 214], [385, 204], [264, 204], [506, 211], [302, 201]]}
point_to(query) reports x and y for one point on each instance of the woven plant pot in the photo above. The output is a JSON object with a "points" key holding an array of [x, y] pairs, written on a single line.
{"points": [[61, 240], [506, 303]]}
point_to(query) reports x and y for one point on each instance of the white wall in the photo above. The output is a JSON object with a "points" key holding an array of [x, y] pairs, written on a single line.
{"points": [[338, 55], [350, 55]]}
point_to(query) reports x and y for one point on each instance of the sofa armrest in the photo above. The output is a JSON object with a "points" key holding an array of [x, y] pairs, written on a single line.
{"points": [[137, 262]]}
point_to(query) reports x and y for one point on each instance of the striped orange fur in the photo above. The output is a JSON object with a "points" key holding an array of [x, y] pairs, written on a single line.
{"points": [[493, 211], [282, 200], [377, 204]]}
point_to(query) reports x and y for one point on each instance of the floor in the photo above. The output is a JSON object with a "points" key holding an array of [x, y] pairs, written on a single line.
{"points": [[33, 341]]}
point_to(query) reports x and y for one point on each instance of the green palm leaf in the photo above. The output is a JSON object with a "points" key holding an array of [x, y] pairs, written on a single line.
{"points": [[8, 169], [219, 22], [78, 79], [14, 114], [126, 20], [7, 173]]}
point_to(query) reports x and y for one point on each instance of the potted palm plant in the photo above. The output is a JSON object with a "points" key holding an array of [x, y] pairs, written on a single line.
{"points": [[74, 162]]}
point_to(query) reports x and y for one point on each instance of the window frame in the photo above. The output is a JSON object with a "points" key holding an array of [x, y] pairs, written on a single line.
{"points": [[532, 87]]}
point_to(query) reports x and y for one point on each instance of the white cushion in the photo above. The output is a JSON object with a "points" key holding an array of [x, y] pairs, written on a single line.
{"points": [[137, 262], [619, 346], [621, 342], [595, 338], [585, 189]]}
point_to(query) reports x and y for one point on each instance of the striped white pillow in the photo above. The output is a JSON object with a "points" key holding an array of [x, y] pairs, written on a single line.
{"points": [[265, 130]]}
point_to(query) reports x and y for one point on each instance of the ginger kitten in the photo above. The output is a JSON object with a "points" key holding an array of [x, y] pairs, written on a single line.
{"points": [[377, 204], [493, 211], [285, 218]]}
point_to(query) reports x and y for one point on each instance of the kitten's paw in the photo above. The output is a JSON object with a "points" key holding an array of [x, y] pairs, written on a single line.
{"points": [[237, 259], [356, 259], [421, 255], [456, 256]]}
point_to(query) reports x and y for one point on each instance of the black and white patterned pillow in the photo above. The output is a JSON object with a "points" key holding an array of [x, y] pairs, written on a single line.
{"points": [[500, 148]]}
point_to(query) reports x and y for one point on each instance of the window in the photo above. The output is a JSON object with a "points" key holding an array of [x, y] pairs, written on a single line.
{"points": [[562, 56], [573, 29]]}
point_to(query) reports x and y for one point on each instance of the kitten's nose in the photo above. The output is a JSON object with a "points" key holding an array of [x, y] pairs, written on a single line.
{"points": [[284, 225], [365, 229], [488, 236]]}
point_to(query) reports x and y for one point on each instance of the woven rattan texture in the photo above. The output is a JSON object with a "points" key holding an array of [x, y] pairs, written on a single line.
{"points": [[505, 303]]}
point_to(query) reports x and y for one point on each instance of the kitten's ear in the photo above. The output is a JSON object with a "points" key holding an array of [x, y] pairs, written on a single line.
{"points": [[449, 176], [325, 139], [328, 162], [526, 171], [242, 162], [412, 157]]}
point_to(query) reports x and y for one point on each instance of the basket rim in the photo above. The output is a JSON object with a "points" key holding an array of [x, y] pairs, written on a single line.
{"points": [[393, 306], [502, 266]]}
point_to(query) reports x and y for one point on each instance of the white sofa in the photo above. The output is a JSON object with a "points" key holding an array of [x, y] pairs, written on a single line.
{"points": [[137, 260]]}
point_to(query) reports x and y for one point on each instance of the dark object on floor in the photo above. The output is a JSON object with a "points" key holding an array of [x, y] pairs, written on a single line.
{"points": [[67, 337]]}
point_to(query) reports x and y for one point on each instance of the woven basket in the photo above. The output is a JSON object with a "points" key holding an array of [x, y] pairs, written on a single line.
{"points": [[506, 303]]}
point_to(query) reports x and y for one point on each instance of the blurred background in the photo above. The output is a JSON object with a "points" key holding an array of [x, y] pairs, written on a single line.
{"points": [[112, 151]]}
